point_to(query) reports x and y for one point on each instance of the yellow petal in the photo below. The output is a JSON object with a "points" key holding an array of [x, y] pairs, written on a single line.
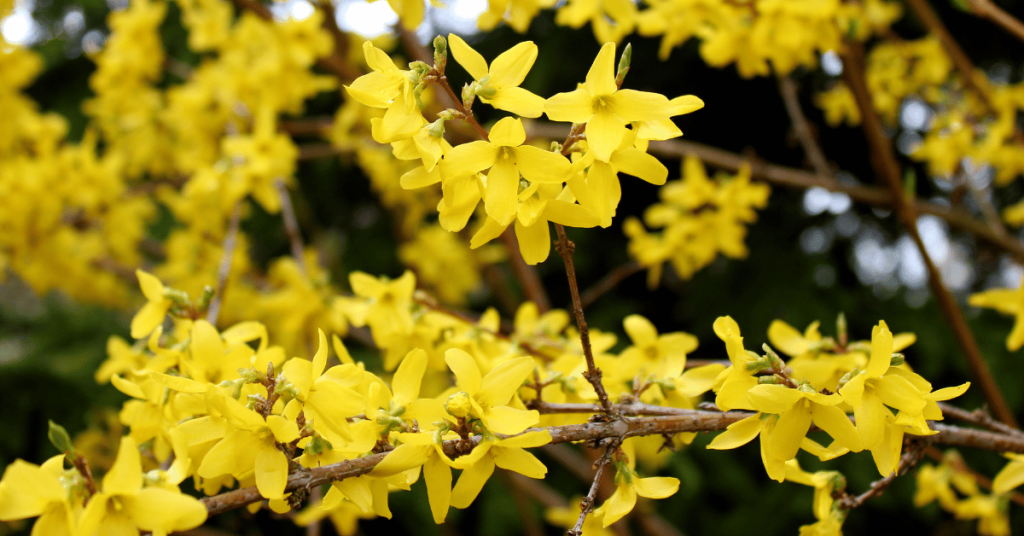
{"points": [[640, 330], [640, 165], [507, 132], [469, 59], [148, 318], [871, 422], [790, 431], [125, 476], [899, 393], [404, 457], [439, 487], [657, 487], [538, 165], [271, 471], [471, 481], [25, 491], [618, 505], [604, 133], [881, 350], [509, 420], [601, 77], [152, 288], [632, 105], [500, 200], [837, 424], [517, 100], [738, 433], [409, 377], [511, 67], [160, 509], [1008, 478], [490, 230], [786, 338], [377, 59], [569, 214], [686, 104], [284, 430], [520, 461], [773, 398], [573, 106], [178, 383], [467, 372], [534, 241], [320, 357]]}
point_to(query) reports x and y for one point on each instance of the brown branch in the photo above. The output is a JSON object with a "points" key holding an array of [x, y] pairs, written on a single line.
{"points": [[609, 282], [914, 451], [800, 179], [979, 417], [697, 421], [224, 270], [883, 158], [565, 248], [317, 151], [802, 127], [306, 126], [291, 226], [989, 10], [587, 504]]}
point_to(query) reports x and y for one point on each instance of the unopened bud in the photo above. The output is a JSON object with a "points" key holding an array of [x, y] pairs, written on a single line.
{"points": [[60, 439], [440, 54], [841, 331], [458, 405], [896, 360], [624, 60]]}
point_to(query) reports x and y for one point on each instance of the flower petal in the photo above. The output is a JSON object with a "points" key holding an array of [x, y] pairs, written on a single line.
{"points": [[500, 200], [534, 241], [511, 67], [409, 377], [517, 100], [656, 487], [632, 105], [573, 106], [439, 487], [471, 481], [738, 433], [520, 461], [507, 132], [601, 76], [467, 372], [155, 509], [271, 471], [469, 59], [125, 476]]}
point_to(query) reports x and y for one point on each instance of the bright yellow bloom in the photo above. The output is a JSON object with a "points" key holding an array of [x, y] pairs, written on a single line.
{"points": [[388, 308], [28, 490], [490, 395], [1010, 476], [123, 504], [1008, 302], [423, 450], [152, 314], [628, 485], [507, 158], [604, 107], [499, 84], [509, 454]]}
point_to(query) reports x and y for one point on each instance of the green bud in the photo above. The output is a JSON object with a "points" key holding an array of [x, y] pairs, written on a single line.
{"points": [[837, 480], [318, 445], [770, 380], [436, 129], [59, 438], [757, 364], [624, 60], [773, 358], [206, 298], [468, 95], [896, 360], [440, 54]]}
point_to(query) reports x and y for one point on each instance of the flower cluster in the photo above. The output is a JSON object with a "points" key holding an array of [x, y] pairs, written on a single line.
{"points": [[519, 183], [700, 218], [954, 487]]}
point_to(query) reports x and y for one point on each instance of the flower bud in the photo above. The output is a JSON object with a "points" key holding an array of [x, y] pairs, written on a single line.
{"points": [[458, 405]]}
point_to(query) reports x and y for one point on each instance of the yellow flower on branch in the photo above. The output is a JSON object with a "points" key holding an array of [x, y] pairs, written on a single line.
{"points": [[604, 107], [499, 84], [629, 485]]}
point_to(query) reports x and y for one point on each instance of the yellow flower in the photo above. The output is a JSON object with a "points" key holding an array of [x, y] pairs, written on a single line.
{"points": [[499, 84], [1011, 476], [507, 158], [426, 450], [28, 490], [508, 453], [490, 395], [604, 107], [628, 485], [124, 503], [152, 314], [1008, 302]]}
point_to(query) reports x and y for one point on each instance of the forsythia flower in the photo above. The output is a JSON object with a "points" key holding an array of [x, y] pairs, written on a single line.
{"points": [[629, 485], [152, 314], [499, 84], [604, 107], [1008, 302]]}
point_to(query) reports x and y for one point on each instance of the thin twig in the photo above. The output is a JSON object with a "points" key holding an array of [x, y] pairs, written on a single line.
{"points": [[291, 225], [980, 417], [913, 452], [884, 160], [609, 282], [587, 504], [565, 248], [989, 10], [224, 270], [802, 127]]}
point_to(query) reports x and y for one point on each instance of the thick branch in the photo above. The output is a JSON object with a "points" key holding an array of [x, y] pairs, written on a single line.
{"points": [[884, 160]]}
